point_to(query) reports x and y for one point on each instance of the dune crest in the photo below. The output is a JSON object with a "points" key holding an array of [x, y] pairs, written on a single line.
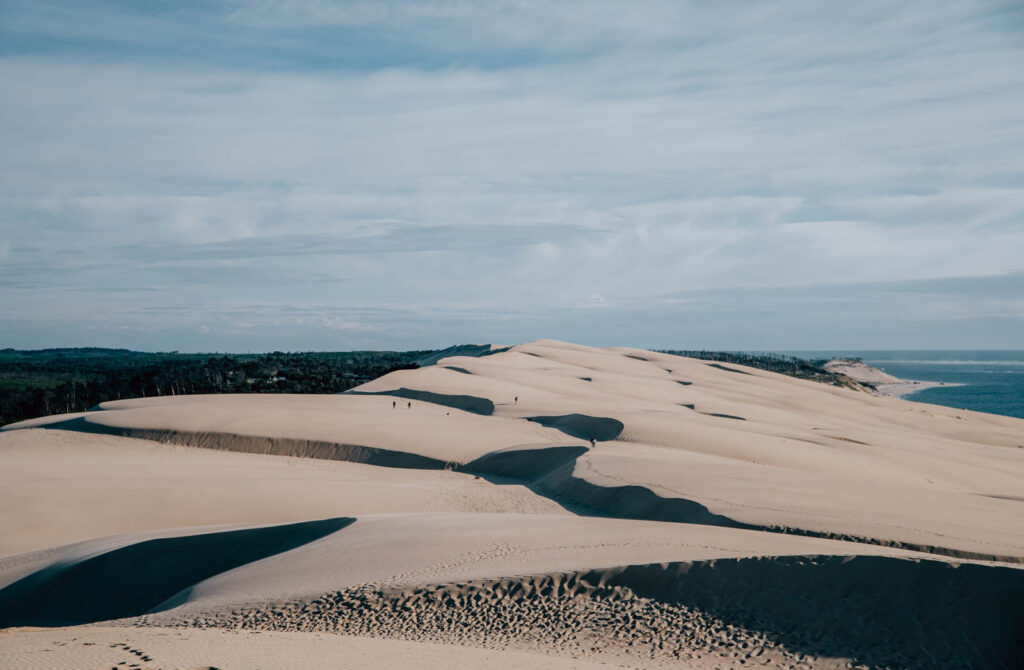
{"points": [[530, 497]]}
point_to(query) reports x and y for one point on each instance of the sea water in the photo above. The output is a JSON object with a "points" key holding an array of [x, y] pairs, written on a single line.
{"points": [[993, 381]]}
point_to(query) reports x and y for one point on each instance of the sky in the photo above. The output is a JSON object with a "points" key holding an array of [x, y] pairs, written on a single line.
{"points": [[317, 175]]}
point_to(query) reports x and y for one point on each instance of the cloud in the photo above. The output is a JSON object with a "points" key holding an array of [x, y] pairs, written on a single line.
{"points": [[937, 314], [515, 158]]}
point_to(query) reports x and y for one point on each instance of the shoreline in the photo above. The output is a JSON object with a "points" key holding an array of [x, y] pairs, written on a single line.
{"points": [[881, 381], [905, 387]]}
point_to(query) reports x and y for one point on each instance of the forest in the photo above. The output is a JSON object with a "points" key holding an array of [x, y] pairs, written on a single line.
{"points": [[780, 363], [51, 381]]}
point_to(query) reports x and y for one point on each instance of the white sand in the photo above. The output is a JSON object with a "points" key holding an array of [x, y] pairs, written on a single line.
{"points": [[885, 383], [101, 647], [59, 487], [861, 371], [701, 463]]}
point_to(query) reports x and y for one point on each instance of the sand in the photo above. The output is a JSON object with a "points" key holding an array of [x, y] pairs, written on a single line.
{"points": [[79, 486], [862, 372], [118, 647], [883, 382], [906, 387], [723, 517]]}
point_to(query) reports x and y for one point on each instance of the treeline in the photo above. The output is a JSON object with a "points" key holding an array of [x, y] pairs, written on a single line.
{"points": [[781, 363], [52, 381]]}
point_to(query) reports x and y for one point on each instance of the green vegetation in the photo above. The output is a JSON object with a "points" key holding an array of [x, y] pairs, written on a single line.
{"points": [[51, 381], [782, 364]]}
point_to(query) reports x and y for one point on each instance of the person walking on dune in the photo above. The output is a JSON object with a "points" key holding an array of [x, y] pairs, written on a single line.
{"points": [[593, 443]]}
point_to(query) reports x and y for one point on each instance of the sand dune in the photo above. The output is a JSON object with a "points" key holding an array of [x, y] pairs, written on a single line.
{"points": [[194, 649], [725, 515], [59, 487], [511, 581], [669, 591], [883, 382], [340, 427], [824, 460], [739, 610], [309, 558], [861, 372], [807, 456]]}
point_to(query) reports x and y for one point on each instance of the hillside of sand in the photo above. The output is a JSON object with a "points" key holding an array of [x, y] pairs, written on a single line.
{"points": [[878, 379], [587, 505]]}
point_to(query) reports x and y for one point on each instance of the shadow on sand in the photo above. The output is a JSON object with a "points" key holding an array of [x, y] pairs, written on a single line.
{"points": [[133, 580]]}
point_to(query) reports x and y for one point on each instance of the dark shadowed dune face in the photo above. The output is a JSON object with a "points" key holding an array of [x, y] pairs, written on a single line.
{"points": [[524, 464], [467, 350], [256, 444], [845, 439], [760, 537], [466, 403], [135, 579], [879, 612], [727, 369], [724, 416], [582, 426], [629, 502]]}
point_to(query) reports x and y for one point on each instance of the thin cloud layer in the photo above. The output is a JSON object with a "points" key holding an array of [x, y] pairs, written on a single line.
{"points": [[190, 176]]}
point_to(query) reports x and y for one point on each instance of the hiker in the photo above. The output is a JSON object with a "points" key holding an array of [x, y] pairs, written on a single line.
{"points": [[394, 404], [593, 442], [410, 404], [517, 400]]}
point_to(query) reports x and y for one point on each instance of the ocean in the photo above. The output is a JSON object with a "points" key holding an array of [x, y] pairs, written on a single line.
{"points": [[993, 381]]}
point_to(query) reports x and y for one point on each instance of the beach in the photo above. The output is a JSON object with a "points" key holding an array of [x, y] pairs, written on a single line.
{"points": [[885, 383]]}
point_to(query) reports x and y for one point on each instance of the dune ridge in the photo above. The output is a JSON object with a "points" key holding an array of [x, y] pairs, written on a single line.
{"points": [[547, 474], [552, 476], [615, 504], [878, 611], [875, 610], [264, 445], [466, 403], [137, 578]]}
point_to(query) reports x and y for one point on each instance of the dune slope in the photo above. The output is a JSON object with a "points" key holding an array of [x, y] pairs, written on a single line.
{"points": [[613, 504]]}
